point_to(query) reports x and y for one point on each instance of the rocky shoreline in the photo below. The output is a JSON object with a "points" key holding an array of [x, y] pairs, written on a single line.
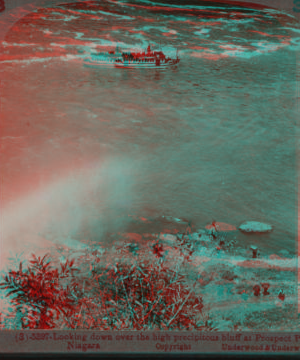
{"points": [[241, 288], [227, 274]]}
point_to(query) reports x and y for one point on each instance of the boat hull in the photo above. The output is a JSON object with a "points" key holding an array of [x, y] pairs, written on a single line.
{"points": [[143, 65], [94, 60]]}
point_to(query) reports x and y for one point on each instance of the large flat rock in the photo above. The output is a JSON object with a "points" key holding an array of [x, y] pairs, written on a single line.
{"points": [[255, 227]]}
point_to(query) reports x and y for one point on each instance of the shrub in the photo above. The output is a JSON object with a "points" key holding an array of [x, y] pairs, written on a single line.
{"points": [[38, 293], [140, 297], [148, 296]]}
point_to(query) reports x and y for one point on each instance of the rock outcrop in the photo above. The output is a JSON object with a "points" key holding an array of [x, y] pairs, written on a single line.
{"points": [[255, 227]]}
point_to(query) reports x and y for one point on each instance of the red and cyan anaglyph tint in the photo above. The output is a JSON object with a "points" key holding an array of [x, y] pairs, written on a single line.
{"points": [[138, 197]]}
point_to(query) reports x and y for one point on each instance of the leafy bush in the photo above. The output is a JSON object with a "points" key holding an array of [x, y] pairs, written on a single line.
{"points": [[38, 293], [119, 297], [148, 296]]}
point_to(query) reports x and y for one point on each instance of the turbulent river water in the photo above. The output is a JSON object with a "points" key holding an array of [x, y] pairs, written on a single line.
{"points": [[212, 139]]}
